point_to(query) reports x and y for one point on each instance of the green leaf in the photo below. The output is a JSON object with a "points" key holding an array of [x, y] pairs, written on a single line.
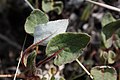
{"points": [[104, 73], [111, 28], [107, 18], [31, 65], [110, 25], [58, 7], [31, 60], [36, 17], [52, 78], [51, 28], [103, 57], [49, 5], [107, 43], [107, 57], [72, 45], [111, 57]]}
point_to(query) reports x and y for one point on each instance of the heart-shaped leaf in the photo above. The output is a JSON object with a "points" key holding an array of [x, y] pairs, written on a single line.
{"points": [[51, 28], [36, 17], [110, 25], [111, 28], [107, 18], [104, 73], [47, 5], [50, 5], [58, 7], [111, 57], [71, 45]]}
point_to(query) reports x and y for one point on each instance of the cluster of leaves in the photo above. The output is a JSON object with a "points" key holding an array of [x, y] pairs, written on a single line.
{"points": [[109, 48], [68, 46], [110, 38], [65, 47]]}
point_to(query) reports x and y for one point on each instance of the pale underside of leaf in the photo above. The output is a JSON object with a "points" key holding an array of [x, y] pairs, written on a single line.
{"points": [[51, 28]]}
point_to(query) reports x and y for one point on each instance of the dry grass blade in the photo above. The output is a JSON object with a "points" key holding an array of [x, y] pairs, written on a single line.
{"points": [[84, 68], [104, 5]]}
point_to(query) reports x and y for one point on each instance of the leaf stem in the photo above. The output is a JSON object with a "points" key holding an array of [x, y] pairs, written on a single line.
{"points": [[48, 58], [31, 47], [104, 5], [84, 68]]}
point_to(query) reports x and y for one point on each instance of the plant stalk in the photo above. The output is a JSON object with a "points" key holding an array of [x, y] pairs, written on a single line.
{"points": [[48, 58], [27, 51], [104, 5], [20, 58], [84, 68], [12, 75], [29, 4], [23, 45]]}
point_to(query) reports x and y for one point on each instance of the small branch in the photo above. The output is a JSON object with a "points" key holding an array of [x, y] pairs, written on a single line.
{"points": [[18, 65], [104, 5], [29, 4], [12, 75], [84, 69], [48, 58], [20, 58], [6, 76], [26, 52]]}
